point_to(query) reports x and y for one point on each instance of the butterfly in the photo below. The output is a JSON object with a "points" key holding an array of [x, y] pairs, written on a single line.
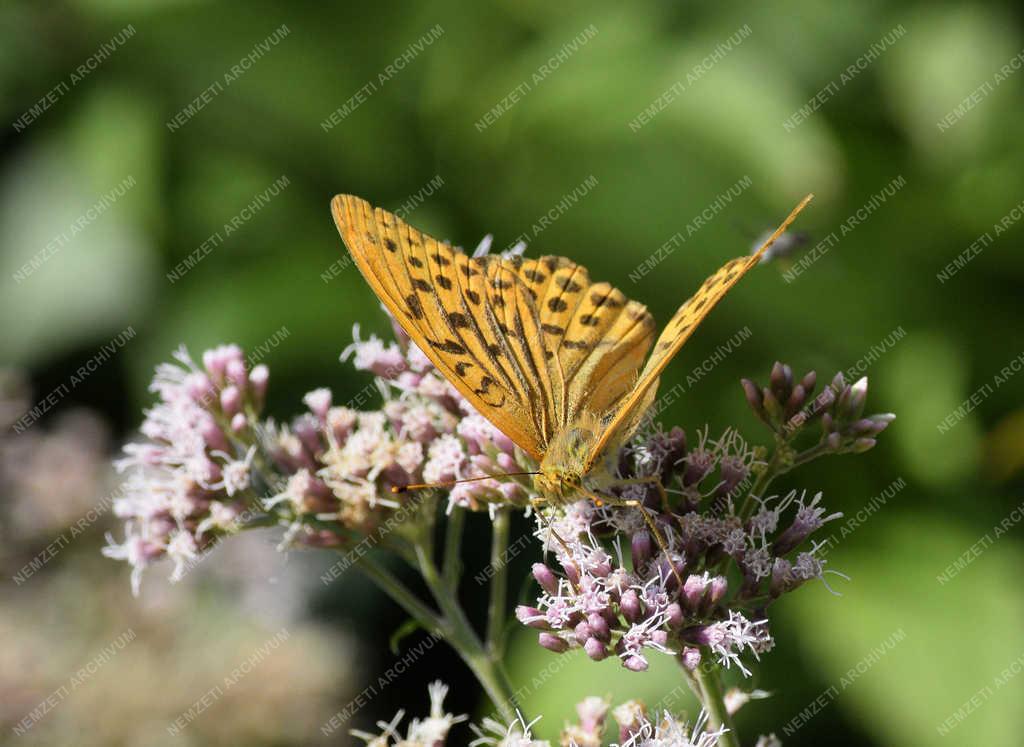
{"points": [[557, 362]]}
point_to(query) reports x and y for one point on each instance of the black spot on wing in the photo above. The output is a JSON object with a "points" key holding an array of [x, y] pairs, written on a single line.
{"points": [[415, 309], [452, 347]]}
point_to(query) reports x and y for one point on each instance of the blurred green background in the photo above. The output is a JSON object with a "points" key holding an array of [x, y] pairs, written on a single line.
{"points": [[417, 134]]}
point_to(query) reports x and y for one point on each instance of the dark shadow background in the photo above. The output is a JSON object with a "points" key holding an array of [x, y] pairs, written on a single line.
{"points": [[872, 289]]}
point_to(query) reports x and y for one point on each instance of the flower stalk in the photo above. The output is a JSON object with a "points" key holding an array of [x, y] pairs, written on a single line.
{"points": [[497, 614], [461, 636], [706, 682]]}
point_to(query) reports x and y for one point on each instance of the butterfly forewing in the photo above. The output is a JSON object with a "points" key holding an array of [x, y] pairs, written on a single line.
{"points": [[678, 330], [396, 261]]}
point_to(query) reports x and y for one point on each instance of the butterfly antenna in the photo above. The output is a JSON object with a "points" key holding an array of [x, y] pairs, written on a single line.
{"points": [[451, 483]]}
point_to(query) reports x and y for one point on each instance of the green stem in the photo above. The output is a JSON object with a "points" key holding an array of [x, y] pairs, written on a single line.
{"points": [[771, 470], [452, 568], [709, 685], [461, 636], [811, 454], [496, 612], [398, 591]]}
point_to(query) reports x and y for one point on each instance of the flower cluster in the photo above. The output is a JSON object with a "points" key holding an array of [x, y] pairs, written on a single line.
{"points": [[636, 728], [194, 477], [347, 468], [211, 464], [692, 552], [787, 407]]}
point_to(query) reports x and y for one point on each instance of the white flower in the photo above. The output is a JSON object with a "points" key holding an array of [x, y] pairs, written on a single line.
{"points": [[235, 473], [435, 728], [668, 732], [729, 638], [516, 734]]}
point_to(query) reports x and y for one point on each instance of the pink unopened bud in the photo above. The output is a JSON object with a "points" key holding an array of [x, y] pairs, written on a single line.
{"points": [[319, 402], [259, 377], [546, 578], [595, 649], [719, 585], [552, 642], [507, 463], [689, 657], [641, 547], [214, 363], [531, 616], [630, 606], [635, 663], [230, 400], [693, 591], [239, 422], [572, 572], [675, 616], [582, 632], [236, 373]]}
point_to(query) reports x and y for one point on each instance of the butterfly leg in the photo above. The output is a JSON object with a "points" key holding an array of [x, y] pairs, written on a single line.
{"points": [[613, 501], [537, 503], [649, 480]]}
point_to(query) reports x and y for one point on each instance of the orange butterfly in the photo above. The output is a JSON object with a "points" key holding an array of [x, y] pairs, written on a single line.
{"points": [[552, 359]]}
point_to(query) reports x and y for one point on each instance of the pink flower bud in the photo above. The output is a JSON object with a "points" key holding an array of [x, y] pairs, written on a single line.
{"points": [[595, 649], [582, 632], [689, 657], [635, 663], [236, 373], [506, 463], [259, 377], [675, 616], [319, 402], [693, 591], [230, 400], [531, 616], [546, 578], [213, 361], [641, 547], [719, 585], [552, 642], [630, 606]]}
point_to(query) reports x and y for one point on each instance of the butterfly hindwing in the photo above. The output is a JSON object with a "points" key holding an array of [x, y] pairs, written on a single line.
{"points": [[597, 338]]}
